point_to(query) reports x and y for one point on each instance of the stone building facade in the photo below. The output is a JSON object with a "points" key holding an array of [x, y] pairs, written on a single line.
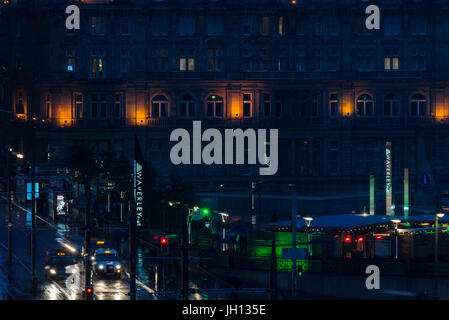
{"points": [[336, 91]]}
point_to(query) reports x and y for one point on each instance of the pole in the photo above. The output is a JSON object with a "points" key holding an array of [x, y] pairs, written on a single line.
{"points": [[253, 211], [190, 226], [294, 226], [132, 254], [406, 192], [184, 259], [8, 186], [87, 261], [33, 221], [435, 264], [397, 236], [273, 269], [224, 236]]}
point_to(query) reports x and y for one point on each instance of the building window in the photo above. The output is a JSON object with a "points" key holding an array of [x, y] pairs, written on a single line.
{"points": [[266, 100], [159, 25], [18, 58], [391, 106], [365, 106], [214, 106], [97, 64], [160, 58], [214, 25], [334, 159], [391, 59], [247, 104], [418, 59], [333, 59], [187, 60], [246, 27], [265, 27], [281, 26], [418, 106], [392, 25], [124, 27], [318, 26], [159, 107], [124, 60], [47, 107], [365, 59], [97, 25], [318, 60], [187, 106], [333, 27], [19, 104], [302, 104], [186, 26], [282, 60], [418, 26], [300, 59], [334, 105], [247, 60], [118, 106], [301, 26], [78, 106], [70, 59], [214, 60], [98, 106], [315, 102], [264, 59], [277, 104]]}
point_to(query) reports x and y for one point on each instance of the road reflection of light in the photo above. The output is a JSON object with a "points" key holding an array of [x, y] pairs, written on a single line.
{"points": [[196, 296], [53, 292]]}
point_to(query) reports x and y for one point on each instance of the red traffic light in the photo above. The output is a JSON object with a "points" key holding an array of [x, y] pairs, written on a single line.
{"points": [[379, 237], [347, 239], [89, 290], [360, 239], [164, 240]]}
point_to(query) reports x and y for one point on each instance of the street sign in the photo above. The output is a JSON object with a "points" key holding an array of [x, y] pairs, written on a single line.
{"points": [[294, 253]]}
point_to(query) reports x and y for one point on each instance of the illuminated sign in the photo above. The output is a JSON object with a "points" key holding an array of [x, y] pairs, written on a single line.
{"points": [[388, 178], [138, 192]]}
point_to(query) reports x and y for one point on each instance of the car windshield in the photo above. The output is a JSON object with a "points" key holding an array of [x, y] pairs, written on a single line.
{"points": [[62, 261], [106, 257]]}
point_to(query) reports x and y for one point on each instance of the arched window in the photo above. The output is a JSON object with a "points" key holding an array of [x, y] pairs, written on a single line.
{"points": [[418, 105], [159, 106], [214, 106], [187, 106], [365, 105], [391, 105]]}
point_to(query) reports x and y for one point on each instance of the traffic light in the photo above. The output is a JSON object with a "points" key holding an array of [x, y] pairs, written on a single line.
{"points": [[89, 293], [165, 247]]}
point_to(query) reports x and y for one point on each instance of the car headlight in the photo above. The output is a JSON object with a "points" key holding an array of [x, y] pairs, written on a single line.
{"points": [[118, 266], [52, 271], [101, 267]]}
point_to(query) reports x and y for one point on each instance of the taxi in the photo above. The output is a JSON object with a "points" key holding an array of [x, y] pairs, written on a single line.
{"points": [[106, 262], [56, 261]]}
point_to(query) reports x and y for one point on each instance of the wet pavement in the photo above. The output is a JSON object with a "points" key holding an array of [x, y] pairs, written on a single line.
{"points": [[167, 281]]}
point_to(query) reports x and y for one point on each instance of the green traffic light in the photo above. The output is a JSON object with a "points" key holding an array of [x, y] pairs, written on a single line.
{"points": [[206, 211]]}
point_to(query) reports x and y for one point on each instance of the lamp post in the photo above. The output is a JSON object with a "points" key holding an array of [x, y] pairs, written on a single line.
{"points": [[122, 197], [396, 222], [189, 218], [435, 264], [224, 218], [308, 221]]}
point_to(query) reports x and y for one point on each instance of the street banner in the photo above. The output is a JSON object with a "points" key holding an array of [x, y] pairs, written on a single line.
{"points": [[138, 182]]}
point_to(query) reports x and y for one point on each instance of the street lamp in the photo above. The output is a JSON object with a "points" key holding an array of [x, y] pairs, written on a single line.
{"points": [[224, 218], [396, 222], [435, 264], [308, 221]]}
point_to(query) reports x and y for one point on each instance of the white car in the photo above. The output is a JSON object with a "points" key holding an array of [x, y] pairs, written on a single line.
{"points": [[106, 262]]}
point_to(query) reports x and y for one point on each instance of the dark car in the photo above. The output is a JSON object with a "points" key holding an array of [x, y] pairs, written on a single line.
{"points": [[56, 261]]}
